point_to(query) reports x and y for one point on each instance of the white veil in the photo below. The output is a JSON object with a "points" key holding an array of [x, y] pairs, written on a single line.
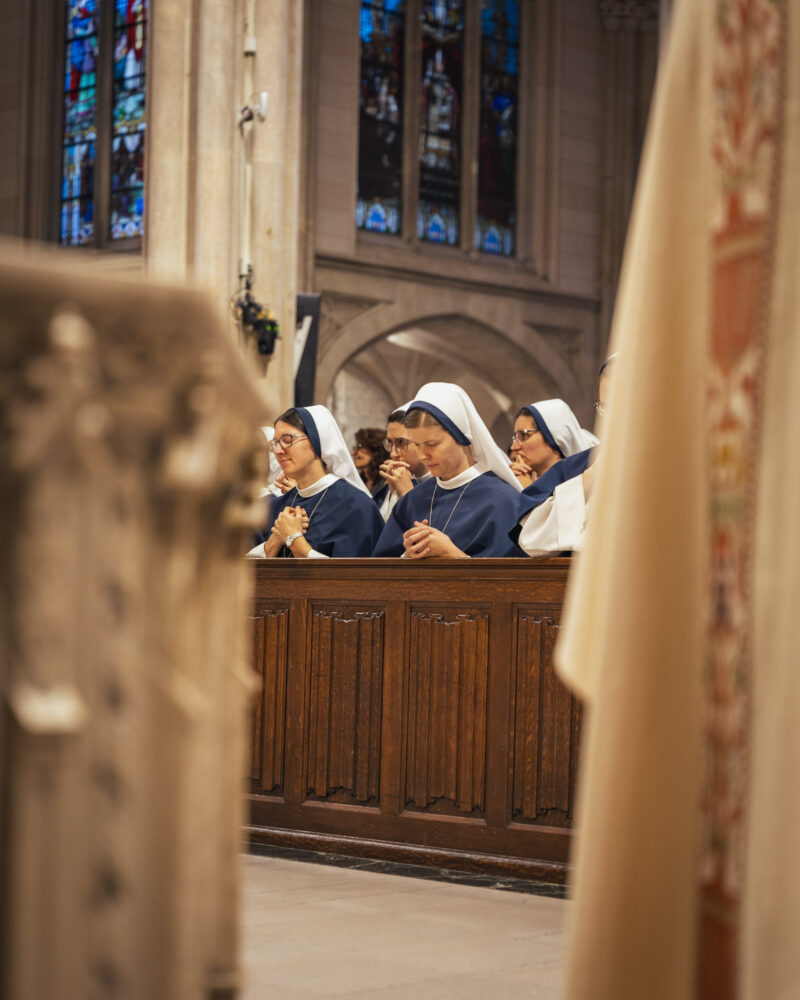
{"points": [[328, 442], [443, 399], [560, 427]]}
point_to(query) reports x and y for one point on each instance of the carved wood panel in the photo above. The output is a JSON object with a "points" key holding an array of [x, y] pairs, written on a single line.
{"points": [[345, 677], [545, 727], [271, 643], [403, 684], [445, 730]]}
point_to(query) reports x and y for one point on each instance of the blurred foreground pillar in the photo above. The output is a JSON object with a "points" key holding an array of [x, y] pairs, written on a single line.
{"points": [[129, 464]]}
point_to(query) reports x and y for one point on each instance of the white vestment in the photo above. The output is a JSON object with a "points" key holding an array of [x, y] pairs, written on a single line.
{"points": [[557, 524], [695, 524]]}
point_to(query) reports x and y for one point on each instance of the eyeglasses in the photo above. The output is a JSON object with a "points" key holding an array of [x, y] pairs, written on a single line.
{"points": [[285, 441], [399, 444], [522, 436]]}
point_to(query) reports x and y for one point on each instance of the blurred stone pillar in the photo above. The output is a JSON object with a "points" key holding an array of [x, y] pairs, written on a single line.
{"points": [[129, 471]]}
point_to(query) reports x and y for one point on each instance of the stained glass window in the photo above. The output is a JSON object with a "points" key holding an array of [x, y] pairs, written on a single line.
{"points": [[80, 122], [128, 123], [497, 150], [380, 137], [440, 121], [109, 76]]}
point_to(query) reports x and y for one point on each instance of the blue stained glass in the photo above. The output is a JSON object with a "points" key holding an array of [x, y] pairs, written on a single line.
{"points": [[497, 145], [129, 111], [127, 214], [80, 64], [439, 147], [500, 19], [437, 223], [78, 171], [129, 11], [130, 38], [380, 137], [129, 106], [80, 117], [376, 17], [80, 122], [81, 18], [77, 224], [129, 69], [88, 68], [127, 186]]}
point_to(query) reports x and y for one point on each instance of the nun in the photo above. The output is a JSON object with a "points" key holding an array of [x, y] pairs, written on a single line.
{"points": [[463, 510], [550, 442], [545, 433], [403, 469], [327, 511]]}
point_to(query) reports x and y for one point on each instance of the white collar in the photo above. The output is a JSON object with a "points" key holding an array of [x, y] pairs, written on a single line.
{"points": [[461, 479], [321, 484]]}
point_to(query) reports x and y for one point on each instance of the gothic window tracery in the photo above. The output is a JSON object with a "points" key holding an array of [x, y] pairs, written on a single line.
{"points": [[454, 130]]}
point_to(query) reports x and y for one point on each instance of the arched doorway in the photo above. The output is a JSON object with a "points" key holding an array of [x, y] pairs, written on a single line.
{"points": [[497, 372]]}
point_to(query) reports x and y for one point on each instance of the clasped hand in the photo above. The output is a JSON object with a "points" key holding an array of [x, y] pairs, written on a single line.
{"points": [[285, 483], [422, 541], [523, 472], [398, 476], [290, 521]]}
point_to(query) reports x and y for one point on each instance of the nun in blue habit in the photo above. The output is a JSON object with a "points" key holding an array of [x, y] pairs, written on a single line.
{"points": [[549, 441], [467, 506], [327, 512]]}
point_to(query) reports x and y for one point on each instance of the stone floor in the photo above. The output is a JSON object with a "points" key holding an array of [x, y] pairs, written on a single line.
{"points": [[313, 930]]}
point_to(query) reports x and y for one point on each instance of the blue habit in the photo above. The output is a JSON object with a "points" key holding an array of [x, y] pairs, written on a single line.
{"points": [[479, 527], [543, 487], [345, 522]]}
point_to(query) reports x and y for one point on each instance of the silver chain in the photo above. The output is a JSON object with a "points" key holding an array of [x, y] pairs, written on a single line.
{"points": [[314, 510], [433, 497]]}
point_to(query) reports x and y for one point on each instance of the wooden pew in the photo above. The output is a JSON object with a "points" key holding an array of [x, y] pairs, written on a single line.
{"points": [[410, 712]]}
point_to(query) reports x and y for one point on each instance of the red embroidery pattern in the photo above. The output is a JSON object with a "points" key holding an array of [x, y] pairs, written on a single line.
{"points": [[747, 79]]}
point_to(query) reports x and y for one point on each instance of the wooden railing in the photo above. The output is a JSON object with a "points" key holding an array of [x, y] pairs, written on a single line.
{"points": [[410, 712]]}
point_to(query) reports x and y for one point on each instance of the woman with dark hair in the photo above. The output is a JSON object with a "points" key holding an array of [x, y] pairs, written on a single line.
{"points": [[327, 511], [369, 455], [466, 507], [545, 433], [403, 469]]}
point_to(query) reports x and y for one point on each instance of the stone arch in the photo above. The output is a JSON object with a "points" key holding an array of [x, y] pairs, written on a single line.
{"points": [[516, 349]]}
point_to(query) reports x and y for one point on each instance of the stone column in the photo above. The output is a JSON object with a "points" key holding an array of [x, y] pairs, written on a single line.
{"points": [[277, 167], [192, 148], [631, 56], [130, 466], [196, 152]]}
